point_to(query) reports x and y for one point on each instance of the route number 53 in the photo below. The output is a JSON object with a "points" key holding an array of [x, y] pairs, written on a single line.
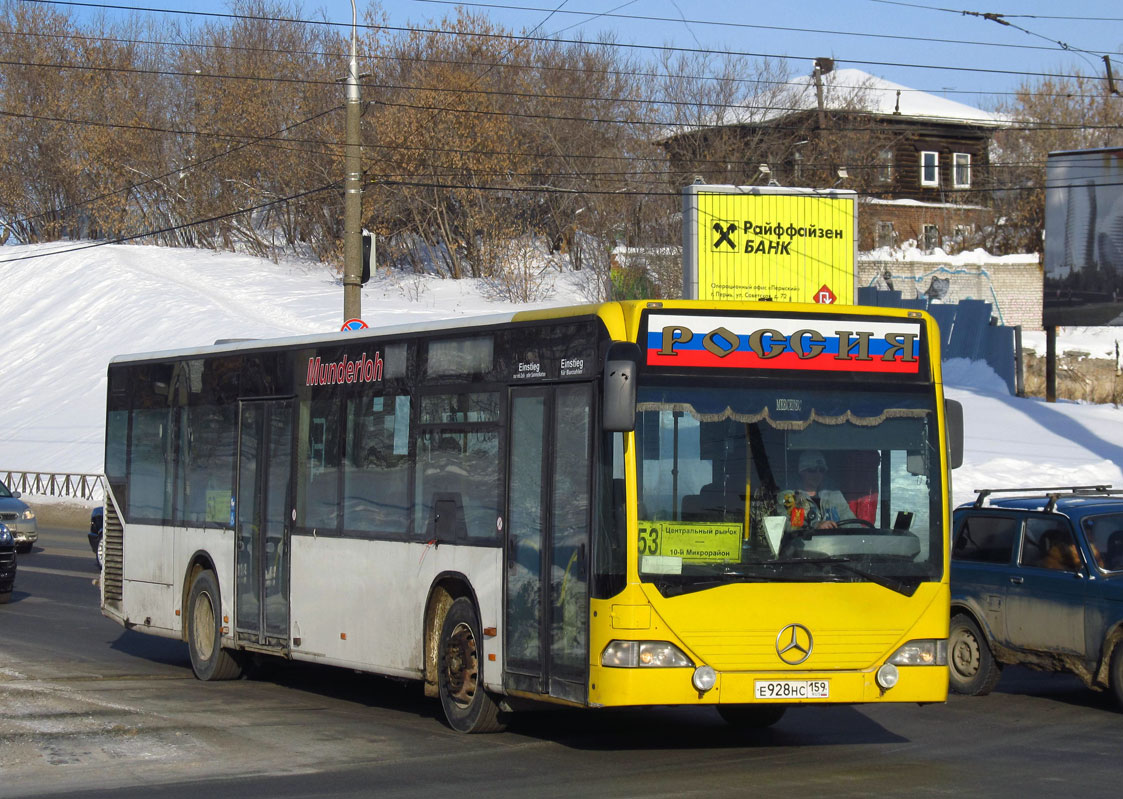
{"points": [[648, 540]]}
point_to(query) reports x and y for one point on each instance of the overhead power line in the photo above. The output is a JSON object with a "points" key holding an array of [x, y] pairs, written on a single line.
{"points": [[174, 228], [179, 170], [554, 40], [398, 57], [1066, 18], [757, 26]]}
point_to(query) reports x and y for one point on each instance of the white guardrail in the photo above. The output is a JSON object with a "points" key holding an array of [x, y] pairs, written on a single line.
{"points": [[55, 484]]}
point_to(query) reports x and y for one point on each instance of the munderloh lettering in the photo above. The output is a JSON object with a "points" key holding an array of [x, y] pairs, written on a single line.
{"points": [[337, 373]]}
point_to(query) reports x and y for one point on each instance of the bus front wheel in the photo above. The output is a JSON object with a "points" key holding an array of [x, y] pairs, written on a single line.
{"points": [[751, 717], [209, 660], [467, 706]]}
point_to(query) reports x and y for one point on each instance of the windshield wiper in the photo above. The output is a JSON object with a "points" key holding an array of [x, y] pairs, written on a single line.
{"points": [[673, 585], [905, 587]]}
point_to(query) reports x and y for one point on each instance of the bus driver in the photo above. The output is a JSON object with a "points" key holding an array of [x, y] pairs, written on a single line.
{"points": [[810, 505]]}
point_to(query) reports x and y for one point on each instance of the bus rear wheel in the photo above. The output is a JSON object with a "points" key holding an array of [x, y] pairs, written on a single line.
{"points": [[209, 660], [751, 717], [467, 706]]}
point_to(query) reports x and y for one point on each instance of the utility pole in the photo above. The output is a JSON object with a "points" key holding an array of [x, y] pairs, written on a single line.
{"points": [[353, 189]]}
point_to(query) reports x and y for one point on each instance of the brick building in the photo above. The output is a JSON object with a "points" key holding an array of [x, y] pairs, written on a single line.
{"points": [[1012, 284]]}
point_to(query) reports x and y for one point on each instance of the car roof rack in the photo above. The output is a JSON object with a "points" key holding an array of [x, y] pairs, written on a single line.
{"points": [[1052, 492]]}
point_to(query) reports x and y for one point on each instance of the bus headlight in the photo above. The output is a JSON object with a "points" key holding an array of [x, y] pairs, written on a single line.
{"points": [[929, 652], [644, 654], [704, 678], [887, 676]]}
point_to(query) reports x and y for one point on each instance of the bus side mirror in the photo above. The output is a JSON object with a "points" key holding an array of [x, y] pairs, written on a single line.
{"points": [[619, 406], [953, 417]]}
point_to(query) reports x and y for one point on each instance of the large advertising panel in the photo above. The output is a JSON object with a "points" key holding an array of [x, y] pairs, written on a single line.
{"points": [[769, 243], [1084, 238]]}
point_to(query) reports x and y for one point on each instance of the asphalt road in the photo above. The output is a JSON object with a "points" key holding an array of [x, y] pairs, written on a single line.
{"points": [[89, 708]]}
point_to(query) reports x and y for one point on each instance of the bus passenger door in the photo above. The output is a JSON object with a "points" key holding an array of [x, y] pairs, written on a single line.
{"points": [[263, 522], [548, 521]]}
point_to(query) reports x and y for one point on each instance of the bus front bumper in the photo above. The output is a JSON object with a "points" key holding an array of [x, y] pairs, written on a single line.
{"points": [[631, 687]]}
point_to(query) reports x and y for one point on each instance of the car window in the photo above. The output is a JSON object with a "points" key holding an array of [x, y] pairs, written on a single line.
{"points": [[1105, 539], [1048, 544], [4, 492], [986, 539]]}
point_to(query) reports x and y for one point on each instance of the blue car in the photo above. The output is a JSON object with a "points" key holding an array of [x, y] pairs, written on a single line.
{"points": [[1037, 579], [7, 564], [97, 525]]}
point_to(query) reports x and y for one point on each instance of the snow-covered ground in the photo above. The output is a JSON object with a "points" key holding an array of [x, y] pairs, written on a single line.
{"points": [[65, 313]]}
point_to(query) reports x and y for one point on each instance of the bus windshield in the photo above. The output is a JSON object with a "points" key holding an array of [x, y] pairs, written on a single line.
{"points": [[787, 484]]}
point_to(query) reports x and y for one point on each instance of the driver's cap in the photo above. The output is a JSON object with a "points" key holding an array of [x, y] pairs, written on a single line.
{"points": [[812, 459]]}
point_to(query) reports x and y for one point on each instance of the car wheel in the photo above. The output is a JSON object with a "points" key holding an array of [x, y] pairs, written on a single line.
{"points": [[5, 598], [100, 553], [972, 668], [467, 706], [209, 660], [751, 717], [23, 549], [1116, 675]]}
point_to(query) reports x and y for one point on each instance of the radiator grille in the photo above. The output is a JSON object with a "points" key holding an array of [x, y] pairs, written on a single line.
{"points": [[113, 572]]}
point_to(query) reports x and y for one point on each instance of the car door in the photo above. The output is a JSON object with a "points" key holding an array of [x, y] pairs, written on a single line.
{"points": [[1045, 596], [983, 563]]}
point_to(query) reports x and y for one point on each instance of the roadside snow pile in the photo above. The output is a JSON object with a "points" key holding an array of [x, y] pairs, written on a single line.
{"points": [[975, 375], [1014, 442], [71, 308]]}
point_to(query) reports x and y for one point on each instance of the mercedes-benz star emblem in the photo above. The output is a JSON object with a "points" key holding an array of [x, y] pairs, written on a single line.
{"points": [[794, 644]]}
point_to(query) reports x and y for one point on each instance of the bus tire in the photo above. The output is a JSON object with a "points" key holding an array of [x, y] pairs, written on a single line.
{"points": [[467, 706], [751, 717], [972, 669], [209, 660]]}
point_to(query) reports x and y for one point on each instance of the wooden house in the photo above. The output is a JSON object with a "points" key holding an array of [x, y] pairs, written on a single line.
{"points": [[919, 161]]}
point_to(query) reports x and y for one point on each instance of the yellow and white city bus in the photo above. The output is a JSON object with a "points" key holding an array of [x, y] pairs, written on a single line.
{"points": [[741, 505]]}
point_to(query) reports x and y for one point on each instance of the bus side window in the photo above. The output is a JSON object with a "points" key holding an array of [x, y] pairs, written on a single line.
{"points": [[609, 548], [458, 472], [376, 469], [319, 465]]}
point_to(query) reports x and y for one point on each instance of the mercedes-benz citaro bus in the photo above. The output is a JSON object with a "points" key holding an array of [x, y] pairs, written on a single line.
{"points": [[738, 505]]}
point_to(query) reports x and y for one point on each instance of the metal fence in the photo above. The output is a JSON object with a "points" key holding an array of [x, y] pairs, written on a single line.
{"points": [[55, 484], [968, 332]]}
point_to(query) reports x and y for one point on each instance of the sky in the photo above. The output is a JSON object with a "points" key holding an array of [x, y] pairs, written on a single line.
{"points": [[949, 50], [63, 316]]}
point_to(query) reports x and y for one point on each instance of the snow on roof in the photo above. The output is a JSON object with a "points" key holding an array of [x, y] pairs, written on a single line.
{"points": [[909, 251], [856, 90], [905, 201]]}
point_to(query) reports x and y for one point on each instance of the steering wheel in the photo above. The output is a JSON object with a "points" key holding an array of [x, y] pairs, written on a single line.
{"points": [[855, 522]]}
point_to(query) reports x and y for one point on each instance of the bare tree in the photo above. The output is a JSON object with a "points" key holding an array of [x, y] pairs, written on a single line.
{"points": [[1045, 116]]}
